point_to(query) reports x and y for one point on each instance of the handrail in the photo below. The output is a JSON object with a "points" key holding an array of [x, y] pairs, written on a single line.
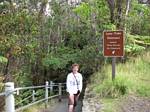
{"points": [[2, 94], [30, 87], [10, 98], [36, 87], [24, 100], [24, 107]]}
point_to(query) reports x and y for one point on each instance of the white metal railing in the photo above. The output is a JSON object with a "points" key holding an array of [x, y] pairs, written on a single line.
{"points": [[10, 92], [2, 94]]}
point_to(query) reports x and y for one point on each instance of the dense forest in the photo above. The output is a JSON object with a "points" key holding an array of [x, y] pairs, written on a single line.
{"points": [[40, 39]]}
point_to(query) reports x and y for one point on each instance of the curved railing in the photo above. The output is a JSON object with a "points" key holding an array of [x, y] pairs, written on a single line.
{"points": [[11, 93]]}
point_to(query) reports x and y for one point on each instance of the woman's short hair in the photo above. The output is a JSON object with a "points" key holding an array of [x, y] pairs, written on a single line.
{"points": [[75, 65]]}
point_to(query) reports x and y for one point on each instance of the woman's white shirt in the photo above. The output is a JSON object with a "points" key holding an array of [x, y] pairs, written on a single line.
{"points": [[74, 83]]}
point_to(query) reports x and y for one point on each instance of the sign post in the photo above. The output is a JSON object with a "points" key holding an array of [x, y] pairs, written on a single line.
{"points": [[113, 46], [113, 67]]}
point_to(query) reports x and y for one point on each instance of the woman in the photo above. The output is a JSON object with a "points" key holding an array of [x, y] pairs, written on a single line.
{"points": [[74, 87]]}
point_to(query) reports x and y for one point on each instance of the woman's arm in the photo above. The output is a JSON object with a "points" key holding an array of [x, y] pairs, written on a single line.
{"points": [[81, 83], [69, 84]]}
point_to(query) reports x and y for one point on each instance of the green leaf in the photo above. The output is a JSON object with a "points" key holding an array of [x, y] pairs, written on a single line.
{"points": [[3, 59]]}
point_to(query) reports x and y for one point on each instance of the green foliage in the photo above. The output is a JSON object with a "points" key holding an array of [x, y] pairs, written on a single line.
{"points": [[1, 85], [3, 59], [138, 21], [83, 11], [143, 90], [134, 49], [120, 86], [60, 58], [137, 69], [40, 43], [27, 94], [49, 44], [23, 95], [40, 94], [136, 44], [22, 78]]}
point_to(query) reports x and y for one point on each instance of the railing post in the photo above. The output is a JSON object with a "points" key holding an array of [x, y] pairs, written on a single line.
{"points": [[9, 100], [33, 95], [60, 91], [51, 86], [46, 93]]}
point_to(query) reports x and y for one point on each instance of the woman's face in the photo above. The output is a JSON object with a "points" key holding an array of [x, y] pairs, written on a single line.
{"points": [[75, 69]]}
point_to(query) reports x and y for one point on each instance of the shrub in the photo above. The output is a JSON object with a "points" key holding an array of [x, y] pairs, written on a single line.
{"points": [[120, 86]]}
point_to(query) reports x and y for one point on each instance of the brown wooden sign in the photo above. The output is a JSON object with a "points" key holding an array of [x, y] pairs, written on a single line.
{"points": [[113, 43]]}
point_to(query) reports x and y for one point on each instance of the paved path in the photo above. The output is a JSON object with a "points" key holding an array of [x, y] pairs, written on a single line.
{"points": [[63, 106]]}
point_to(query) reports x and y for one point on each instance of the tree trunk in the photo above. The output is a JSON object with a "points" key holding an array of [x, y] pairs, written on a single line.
{"points": [[119, 5], [111, 4], [126, 14]]}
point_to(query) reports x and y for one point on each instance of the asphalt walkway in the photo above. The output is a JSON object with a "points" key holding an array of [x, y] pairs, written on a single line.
{"points": [[63, 106]]}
